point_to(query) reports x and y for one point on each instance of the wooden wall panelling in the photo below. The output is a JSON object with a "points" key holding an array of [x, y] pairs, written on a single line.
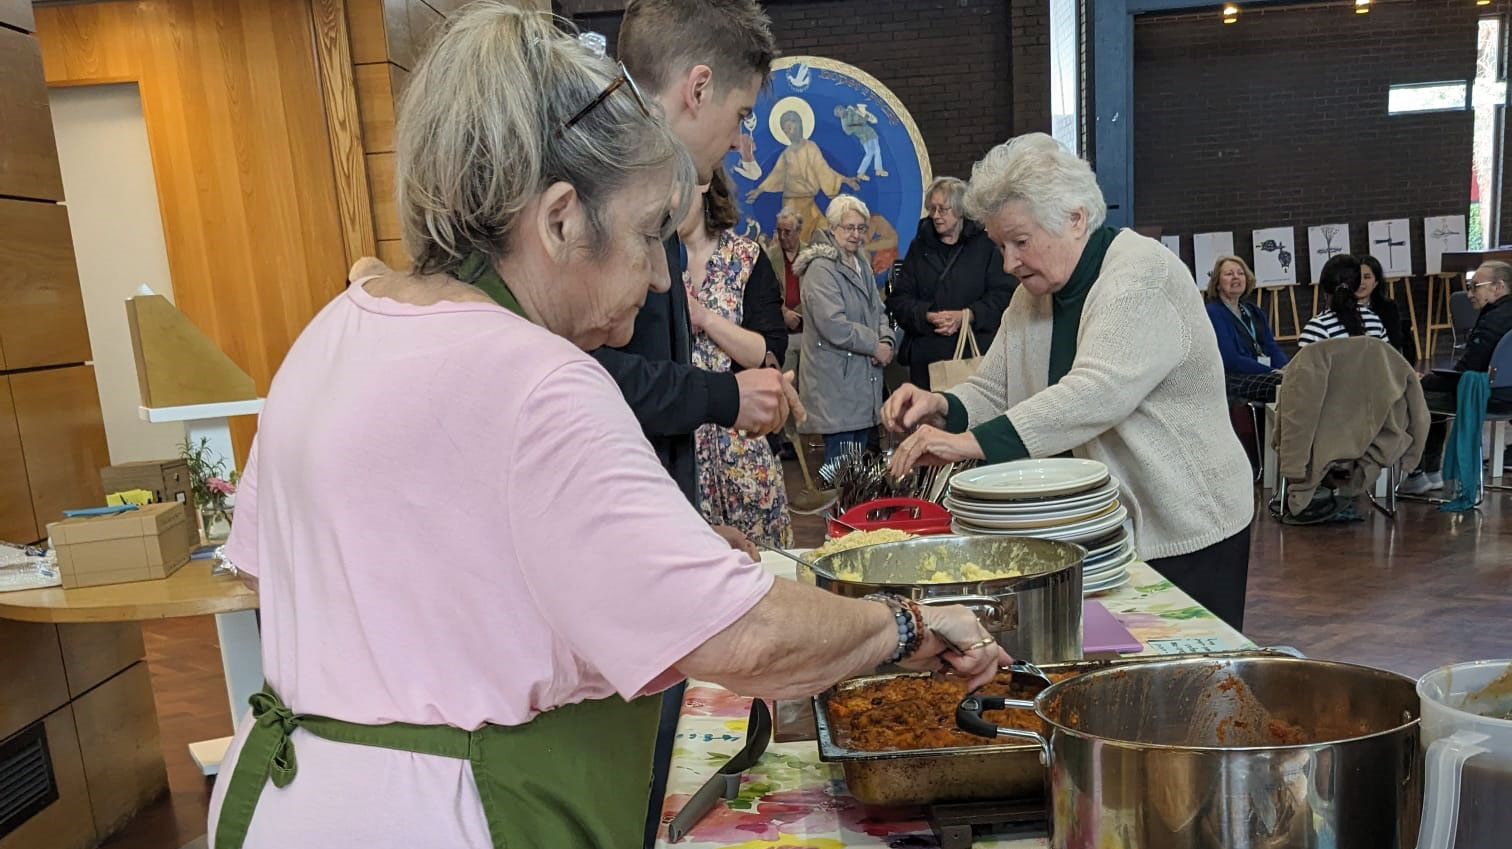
{"points": [[94, 651], [17, 521], [393, 254], [41, 307], [18, 14], [365, 26], [232, 101], [121, 747], [376, 103], [28, 153], [380, 168], [62, 438], [32, 683], [344, 127], [66, 823]]}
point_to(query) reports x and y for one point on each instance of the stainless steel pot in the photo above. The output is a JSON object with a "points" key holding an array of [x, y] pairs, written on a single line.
{"points": [[1251, 753], [1036, 613]]}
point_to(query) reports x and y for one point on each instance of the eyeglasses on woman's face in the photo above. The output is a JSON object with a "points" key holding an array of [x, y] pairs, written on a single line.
{"points": [[856, 229]]}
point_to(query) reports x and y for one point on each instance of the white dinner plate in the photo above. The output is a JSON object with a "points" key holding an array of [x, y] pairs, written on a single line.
{"points": [[1044, 520], [1079, 532], [1092, 574], [1119, 555], [1108, 545], [1108, 587], [1030, 478], [956, 501]]}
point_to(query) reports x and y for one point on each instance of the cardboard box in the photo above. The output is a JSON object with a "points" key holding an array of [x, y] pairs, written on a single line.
{"points": [[138, 545], [167, 480]]}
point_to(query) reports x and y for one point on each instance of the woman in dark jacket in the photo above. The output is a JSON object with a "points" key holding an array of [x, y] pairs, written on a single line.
{"points": [[950, 266], [1398, 329]]}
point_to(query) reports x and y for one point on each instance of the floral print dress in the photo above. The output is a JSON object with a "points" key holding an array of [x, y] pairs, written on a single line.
{"points": [[740, 482]]}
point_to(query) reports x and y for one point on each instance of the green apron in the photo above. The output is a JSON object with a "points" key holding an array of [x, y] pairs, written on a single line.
{"points": [[578, 775]]}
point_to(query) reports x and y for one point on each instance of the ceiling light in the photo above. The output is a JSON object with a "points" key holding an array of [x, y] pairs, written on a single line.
{"points": [[1230, 13]]}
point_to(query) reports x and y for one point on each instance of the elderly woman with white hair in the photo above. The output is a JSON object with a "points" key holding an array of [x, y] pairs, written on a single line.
{"points": [[1106, 353], [473, 569], [847, 339]]}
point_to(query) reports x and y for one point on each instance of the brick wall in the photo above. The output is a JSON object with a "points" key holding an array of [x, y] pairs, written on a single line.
{"points": [[953, 63], [1281, 119]]}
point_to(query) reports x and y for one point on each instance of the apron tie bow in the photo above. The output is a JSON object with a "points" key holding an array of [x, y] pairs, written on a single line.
{"points": [[270, 712]]}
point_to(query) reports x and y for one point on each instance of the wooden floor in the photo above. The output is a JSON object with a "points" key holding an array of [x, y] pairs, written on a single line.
{"points": [[1427, 589]]}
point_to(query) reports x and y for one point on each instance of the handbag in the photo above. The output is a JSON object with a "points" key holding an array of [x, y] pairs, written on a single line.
{"points": [[945, 374]]}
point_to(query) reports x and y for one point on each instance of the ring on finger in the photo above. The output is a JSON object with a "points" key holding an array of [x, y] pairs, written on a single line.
{"points": [[980, 644]]}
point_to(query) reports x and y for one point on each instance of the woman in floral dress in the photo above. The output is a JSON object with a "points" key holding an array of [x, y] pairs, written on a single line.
{"points": [[735, 305]]}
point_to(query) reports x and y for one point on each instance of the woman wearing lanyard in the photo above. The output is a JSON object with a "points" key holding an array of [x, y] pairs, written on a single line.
{"points": [[473, 569], [1252, 360]]}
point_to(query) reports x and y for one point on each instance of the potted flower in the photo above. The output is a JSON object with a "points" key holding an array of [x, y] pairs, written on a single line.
{"points": [[214, 488]]}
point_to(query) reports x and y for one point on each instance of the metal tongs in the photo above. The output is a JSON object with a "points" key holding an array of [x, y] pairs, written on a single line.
{"points": [[725, 784]]}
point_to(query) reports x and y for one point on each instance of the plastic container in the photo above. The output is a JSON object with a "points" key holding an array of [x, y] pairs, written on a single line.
{"points": [[1467, 801], [914, 515]]}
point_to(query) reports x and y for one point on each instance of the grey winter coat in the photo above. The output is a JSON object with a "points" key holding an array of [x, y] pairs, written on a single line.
{"points": [[843, 320]]}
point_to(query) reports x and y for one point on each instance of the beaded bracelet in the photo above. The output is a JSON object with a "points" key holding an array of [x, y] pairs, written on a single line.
{"points": [[910, 634]]}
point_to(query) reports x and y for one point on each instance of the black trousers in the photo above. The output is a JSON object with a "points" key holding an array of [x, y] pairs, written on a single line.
{"points": [[1215, 577]]}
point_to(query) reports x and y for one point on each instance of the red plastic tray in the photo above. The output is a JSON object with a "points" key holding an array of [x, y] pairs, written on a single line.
{"points": [[914, 515]]}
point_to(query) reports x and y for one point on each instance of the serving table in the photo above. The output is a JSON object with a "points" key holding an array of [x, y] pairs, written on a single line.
{"points": [[790, 800]]}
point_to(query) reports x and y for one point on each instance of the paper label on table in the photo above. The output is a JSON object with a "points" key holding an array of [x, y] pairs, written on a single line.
{"points": [[1187, 645]]}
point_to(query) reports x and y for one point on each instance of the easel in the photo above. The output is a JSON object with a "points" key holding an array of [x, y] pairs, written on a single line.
{"points": [[1440, 287], [1391, 292], [1275, 311]]}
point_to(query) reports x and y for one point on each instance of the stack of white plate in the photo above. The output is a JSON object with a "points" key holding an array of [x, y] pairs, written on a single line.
{"points": [[1057, 498], [1107, 564]]}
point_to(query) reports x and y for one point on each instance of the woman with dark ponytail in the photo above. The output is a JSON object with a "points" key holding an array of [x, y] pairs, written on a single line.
{"points": [[1398, 330], [1346, 316]]}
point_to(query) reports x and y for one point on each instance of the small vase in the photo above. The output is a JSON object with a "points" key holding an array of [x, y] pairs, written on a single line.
{"points": [[215, 523]]}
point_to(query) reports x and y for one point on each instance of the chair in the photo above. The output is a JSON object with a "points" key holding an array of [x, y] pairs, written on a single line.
{"points": [[1462, 315], [1370, 361], [1500, 374]]}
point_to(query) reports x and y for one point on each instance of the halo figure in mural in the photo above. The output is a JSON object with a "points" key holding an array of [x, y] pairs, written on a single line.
{"points": [[801, 172], [824, 128]]}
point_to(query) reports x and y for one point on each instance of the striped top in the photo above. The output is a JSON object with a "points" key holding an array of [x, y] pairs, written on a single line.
{"points": [[1326, 325]]}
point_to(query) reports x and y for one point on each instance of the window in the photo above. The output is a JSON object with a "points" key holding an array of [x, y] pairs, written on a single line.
{"points": [[1452, 96], [1064, 86], [1489, 104]]}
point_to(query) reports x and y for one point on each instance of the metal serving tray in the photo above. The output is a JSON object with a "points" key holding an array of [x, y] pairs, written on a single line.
{"points": [[956, 773]]}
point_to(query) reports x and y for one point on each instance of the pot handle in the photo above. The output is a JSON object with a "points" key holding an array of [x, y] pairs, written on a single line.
{"points": [[969, 719], [1445, 761], [997, 614]]}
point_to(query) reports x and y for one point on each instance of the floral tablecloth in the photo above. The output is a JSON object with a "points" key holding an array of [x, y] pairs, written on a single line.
{"points": [[792, 801]]}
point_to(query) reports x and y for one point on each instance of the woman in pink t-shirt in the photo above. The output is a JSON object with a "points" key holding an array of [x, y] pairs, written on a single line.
{"points": [[473, 569]]}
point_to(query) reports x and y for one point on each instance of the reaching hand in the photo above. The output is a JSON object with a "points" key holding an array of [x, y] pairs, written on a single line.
{"points": [[930, 446], [737, 540], [909, 406], [952, 627], [764, 403]]}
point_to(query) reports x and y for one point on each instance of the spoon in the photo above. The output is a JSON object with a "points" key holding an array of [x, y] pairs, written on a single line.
{"points": [[811, 500]]}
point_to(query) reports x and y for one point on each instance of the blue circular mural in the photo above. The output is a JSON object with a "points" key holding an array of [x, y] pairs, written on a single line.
{"points": [[824, 128]]}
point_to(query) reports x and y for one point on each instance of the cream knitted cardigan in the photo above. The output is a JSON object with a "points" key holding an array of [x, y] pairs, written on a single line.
{"points": [[1145, 395]]}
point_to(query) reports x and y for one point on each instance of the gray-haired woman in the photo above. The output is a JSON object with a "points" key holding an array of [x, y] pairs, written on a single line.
{"points": [[472, 566], [847, 339], [1105, 352]]}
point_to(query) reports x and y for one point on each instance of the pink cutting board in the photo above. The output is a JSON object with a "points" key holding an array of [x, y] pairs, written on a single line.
{"points": [[1102, 632]]}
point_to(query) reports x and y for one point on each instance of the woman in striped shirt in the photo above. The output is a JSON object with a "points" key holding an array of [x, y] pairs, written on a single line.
{"points": [[1348, 314]]}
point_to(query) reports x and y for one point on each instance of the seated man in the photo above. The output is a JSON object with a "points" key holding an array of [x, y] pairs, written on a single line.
{"points": [[1489, 289]]}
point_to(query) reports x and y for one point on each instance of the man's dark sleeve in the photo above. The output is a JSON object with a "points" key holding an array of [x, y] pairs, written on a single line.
{"points": [[763, 307], [1479, 348], [672, 399]]}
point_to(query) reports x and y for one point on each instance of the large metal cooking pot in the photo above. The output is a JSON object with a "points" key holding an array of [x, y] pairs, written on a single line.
{"points": [[1248, 753], [1035, 613]]}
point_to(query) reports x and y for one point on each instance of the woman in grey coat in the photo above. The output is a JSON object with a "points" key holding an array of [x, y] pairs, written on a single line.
{"points": [[847, 339]]}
